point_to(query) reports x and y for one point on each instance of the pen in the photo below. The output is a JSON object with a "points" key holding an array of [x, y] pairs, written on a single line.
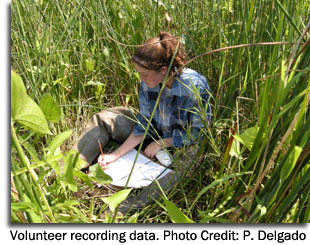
{"points": [[100, 148]]}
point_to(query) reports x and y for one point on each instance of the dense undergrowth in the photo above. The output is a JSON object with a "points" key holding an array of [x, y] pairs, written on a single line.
{"points": [[71, 59]]}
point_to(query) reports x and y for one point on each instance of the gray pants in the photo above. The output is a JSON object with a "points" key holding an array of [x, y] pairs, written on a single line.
{"points": [[117, 123]]}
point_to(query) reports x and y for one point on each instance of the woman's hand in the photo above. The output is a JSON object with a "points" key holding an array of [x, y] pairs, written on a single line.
{"points": [[131, 142], [105, 159], [151, 150]]}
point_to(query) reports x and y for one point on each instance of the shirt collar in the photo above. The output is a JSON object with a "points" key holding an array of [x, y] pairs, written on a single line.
{"points": [[178, 88]]}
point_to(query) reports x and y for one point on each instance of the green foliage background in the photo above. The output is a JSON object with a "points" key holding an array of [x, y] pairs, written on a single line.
{"points": [[254, 163]]}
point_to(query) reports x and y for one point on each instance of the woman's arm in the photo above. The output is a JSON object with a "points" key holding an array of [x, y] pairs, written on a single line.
{"points": [[131, 142]]}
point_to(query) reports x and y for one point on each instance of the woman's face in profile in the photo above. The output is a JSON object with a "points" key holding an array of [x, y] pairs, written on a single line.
{"points": [[152, 78]]}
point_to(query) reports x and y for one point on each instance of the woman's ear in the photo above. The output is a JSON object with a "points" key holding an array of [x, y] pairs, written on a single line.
{"points": [[163, 70]]}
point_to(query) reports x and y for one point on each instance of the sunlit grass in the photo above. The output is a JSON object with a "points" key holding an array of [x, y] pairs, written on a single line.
{"points": [[79, 52]]}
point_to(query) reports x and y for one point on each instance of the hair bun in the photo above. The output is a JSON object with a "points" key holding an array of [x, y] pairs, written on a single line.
{"points": [[164, 35], [154, 53]]}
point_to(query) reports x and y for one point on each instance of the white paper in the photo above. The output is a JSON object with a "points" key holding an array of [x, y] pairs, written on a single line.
{"points": [[144, 172], [163, 157]]}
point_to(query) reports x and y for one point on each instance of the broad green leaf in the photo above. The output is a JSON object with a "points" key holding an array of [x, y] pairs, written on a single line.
{"points": [[235, 149], [57, 141], [83, 177], [80, 163], [63, 69], [97, 174], [89, 64], [18, 92], [290, 163], [248, 136], [63, 81], [114, 200], [33, 118], [24, 110], [50, 108], [23, 206], [134, 218], [28, 207], [259, 211], [68, 177], [175, 214]]}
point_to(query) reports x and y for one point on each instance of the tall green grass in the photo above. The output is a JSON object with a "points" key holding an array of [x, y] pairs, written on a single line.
{"points": [[254, 162]]}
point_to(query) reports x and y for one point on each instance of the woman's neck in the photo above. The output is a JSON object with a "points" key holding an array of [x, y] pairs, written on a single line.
{"points": [[169, 82]]}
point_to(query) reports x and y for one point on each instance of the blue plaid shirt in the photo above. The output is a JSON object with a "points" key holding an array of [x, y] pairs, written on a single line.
{"points": [[179, 108]]}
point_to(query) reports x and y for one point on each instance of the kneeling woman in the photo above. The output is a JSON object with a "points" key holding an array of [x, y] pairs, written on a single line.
{"points": [[182, 104]]}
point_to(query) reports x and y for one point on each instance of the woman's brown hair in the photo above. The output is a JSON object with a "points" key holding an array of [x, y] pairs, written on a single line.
{"points": [[157, 52]]}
